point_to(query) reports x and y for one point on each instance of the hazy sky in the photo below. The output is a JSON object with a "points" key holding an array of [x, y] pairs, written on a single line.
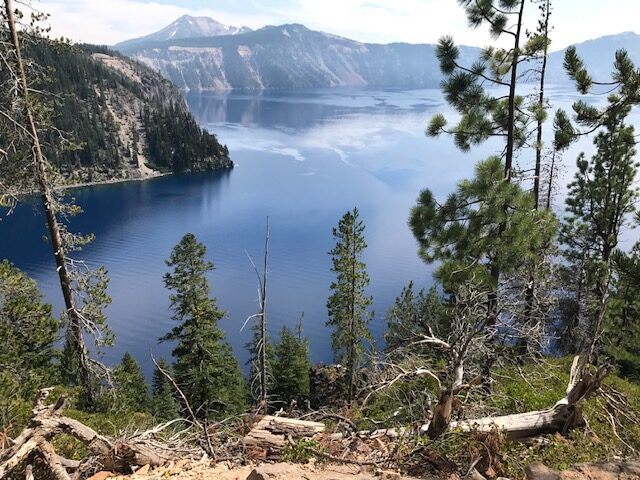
{"points": [[416, 21]]}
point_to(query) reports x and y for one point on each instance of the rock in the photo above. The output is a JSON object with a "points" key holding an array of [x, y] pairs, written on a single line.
{"points": [[538, 471], [388, 475], [102, 475], [144, 470], [272, 471]]}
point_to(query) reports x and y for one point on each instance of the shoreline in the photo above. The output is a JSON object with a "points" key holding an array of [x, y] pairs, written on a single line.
{"points": [[112, 181]]}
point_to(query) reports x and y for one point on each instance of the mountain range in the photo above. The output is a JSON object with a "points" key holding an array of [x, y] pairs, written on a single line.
{"points": [[294, 56]]}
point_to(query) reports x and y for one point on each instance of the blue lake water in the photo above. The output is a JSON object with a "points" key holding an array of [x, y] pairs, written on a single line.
{"points": [[303, 159]]}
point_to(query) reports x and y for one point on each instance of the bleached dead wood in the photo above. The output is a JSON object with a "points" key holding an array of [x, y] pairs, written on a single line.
{"points": [[271, 433], [47, 421], [564, 415]]}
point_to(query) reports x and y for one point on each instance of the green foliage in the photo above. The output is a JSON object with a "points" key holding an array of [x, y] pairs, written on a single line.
{"points": [[205, 367], [176, 141], [300, 452], [291, 366], [603, 194], [413, 315], [28, 333], [574, 66], [600, 202], [132, 391], [486, 224], [622, 329], [164, 405], [83, 94], [348, 303]]}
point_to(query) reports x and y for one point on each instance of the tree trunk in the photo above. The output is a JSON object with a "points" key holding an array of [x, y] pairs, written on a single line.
{"points": [[46, 192]]}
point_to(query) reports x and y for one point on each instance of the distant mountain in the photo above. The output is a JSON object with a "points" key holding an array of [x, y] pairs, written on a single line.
{"points": [[186, 27], [293, 56], [286, 57], [598, 56]]}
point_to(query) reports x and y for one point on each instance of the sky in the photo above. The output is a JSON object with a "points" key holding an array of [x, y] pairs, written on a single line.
{"points": [[380, 21]]}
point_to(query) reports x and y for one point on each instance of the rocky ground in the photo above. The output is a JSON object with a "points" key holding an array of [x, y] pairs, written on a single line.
{"points": [[203, 469]]}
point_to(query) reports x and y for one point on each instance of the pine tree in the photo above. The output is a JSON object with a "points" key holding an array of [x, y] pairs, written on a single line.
{"points": [[164, 406], [204, 366], [132, 391], [412, 315], [473, 235], [28, 333], [348, 304], [600, 201], [291, 366]]}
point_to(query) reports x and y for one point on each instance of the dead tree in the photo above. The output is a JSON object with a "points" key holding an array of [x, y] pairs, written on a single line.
{"points": [[470, 336], [561, 417], [27, 129], [47, 421], [260, 365]]}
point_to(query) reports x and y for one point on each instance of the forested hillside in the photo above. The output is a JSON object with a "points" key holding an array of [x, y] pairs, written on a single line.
{"points": [[122, 119]]}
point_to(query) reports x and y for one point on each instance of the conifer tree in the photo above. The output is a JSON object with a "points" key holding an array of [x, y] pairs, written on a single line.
{"points": [[205, 367], [28, 334], [291, 366], [132, 391], [348, 304], [483, 114], [473, 235], [25, 161], [600, 202], [414, 314], [164, 406]]}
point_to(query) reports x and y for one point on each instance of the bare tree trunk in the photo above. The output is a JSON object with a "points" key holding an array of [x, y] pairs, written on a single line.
{"points": [[530, 294], [263, 322], [512, 97], [48, 202]]}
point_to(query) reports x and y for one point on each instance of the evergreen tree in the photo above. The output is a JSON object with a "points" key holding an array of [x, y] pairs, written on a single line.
{"points": [[600, 201], [291, 366], [132, 391], [28, 333], [412, 315], [204, 366], [164, 406], [486, 226], [348, 303]]}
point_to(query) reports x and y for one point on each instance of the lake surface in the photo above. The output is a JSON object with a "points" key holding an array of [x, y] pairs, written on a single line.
{"points": [[303, 159]]}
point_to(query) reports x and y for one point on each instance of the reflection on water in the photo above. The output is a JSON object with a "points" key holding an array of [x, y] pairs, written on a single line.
{"points": [[303, 159]]}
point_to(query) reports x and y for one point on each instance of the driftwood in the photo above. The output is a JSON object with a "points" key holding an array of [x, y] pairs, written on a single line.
{"points": [[272, 433], [564, 415], [47, 421]]}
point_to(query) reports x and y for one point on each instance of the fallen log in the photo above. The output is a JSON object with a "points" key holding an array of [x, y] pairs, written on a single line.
{"points": [[271, 434], [47, 421], [565, 414]]}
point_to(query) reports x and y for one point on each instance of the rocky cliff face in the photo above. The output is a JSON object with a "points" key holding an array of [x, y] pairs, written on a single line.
{"points": [[292, 56], [287, 57]]}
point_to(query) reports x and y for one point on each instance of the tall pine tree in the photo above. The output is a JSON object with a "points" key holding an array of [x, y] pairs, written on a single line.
{"points": [[600, 201], [348, 304], [205, 367]]}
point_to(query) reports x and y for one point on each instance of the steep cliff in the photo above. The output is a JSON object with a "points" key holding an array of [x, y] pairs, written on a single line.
{"points": [[123, 119]]}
